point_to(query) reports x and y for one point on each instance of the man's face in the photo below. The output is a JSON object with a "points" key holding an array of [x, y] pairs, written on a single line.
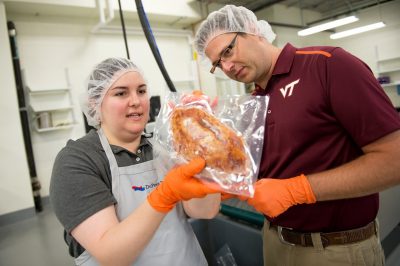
{"points": [[247, 60]]}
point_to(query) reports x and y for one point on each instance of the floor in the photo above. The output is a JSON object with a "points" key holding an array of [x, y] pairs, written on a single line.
{"points": [[37, 241]]}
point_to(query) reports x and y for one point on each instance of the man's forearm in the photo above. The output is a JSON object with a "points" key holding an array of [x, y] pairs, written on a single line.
{"points": [[376, 170]]}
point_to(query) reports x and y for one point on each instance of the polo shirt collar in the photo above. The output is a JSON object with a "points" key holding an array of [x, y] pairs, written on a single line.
{"points": [[285, 60], [143, 143], [283, 63]]}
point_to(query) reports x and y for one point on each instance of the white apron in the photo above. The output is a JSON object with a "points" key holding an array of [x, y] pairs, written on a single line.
{"points": [[174, 243]]}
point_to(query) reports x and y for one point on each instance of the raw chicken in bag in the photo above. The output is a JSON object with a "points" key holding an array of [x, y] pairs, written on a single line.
{"points": [[227, 133]]}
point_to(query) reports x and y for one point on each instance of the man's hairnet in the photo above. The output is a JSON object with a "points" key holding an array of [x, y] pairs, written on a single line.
{"points": [[230, 18], [99, 82]]}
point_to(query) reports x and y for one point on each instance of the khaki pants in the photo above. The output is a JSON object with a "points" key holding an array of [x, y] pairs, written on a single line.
{"points": [[276, 253]]}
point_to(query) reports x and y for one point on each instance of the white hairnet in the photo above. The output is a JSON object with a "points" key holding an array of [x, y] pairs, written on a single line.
{"points": [[100, 80], [230, 18]]}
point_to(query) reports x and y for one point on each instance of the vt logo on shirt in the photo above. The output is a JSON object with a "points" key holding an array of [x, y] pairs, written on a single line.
{"points": [[288, 90]]}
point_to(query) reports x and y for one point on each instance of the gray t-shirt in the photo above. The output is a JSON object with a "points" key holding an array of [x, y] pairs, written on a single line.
{"points": [[81, 181]]}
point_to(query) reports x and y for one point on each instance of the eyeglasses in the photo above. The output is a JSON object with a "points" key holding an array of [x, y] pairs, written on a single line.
{"points": [[226, 53]]}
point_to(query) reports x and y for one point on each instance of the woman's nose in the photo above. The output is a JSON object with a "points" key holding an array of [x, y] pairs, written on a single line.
{"points": [[134, 100]]}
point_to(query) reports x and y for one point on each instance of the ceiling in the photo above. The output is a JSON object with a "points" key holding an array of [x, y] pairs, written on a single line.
{"points": [[327, 8]]}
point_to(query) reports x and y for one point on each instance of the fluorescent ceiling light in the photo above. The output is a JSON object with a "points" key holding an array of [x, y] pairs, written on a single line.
{"points": [[327, 26], [357, 30]]}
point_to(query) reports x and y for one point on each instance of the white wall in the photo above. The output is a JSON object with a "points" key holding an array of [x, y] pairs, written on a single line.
{"points": [[47, 45], [44, 54], [15, 188]]}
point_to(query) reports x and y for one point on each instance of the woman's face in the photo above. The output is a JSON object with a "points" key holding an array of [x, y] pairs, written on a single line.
{"points": [[125, 107]]}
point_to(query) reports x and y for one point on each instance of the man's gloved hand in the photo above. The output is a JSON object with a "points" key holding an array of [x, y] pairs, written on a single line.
{"points": [[274, 196], [226, 196], [179, 184], [197, 96]]}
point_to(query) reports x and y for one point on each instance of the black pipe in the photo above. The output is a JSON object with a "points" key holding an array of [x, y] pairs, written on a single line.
{"points": [[121, 15], [152, 42], [24, 118]]}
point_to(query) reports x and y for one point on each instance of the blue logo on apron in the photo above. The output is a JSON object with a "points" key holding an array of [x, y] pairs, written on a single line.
{"points": [[136, 188], [145, 187]]}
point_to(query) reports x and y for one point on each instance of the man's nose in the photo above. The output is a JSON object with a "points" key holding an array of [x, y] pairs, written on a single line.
{"points": [[227, 66]]}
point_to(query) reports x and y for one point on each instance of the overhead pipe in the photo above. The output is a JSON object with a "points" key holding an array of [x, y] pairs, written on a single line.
{"points": [[152, 43], [103, 19], [110, 9], [99, 4], [121, 15], [138, 31]]}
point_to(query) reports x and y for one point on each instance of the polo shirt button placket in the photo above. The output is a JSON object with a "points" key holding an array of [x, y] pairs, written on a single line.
{"points": [[138, 156]]}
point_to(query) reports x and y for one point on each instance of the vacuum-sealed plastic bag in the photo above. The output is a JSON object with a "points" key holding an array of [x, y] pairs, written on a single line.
{"points": [[228, 133], [224, 256]]}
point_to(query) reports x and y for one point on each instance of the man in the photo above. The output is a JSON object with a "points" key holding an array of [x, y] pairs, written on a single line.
{"points": [[331, 142]]}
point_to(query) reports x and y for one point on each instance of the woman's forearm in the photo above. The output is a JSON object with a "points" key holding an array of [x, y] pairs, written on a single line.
{"points": [[118, 243], [203, 208]]}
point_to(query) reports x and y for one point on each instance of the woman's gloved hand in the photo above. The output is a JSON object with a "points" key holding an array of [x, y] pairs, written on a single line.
{"points": [[179, 184], [274, 196]]}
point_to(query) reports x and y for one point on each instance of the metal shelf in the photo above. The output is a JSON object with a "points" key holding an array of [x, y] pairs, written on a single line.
{"points": [[388, 59], [45, 92], [63, 127], [390, 84], [388, 71], [52, 109]]}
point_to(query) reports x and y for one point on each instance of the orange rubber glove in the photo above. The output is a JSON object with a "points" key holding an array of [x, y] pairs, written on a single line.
{"points": [[179, 184], [226, 196], [274, 196]]}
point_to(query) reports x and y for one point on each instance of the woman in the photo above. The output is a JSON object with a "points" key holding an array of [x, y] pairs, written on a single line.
{"points": [[104, 189]]}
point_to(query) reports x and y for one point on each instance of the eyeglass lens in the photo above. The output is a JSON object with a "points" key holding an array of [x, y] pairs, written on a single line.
{"points": [[230, 46]]}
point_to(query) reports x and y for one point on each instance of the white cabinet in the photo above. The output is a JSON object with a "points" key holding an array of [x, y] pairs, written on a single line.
{"points": [[388, 68], [50, 109]]}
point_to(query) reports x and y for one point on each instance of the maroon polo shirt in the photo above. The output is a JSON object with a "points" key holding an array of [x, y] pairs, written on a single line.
{"points": [[325, 104]]}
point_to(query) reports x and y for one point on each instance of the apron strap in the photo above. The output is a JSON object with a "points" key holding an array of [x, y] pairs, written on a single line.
{"points": [[110, 157]]}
